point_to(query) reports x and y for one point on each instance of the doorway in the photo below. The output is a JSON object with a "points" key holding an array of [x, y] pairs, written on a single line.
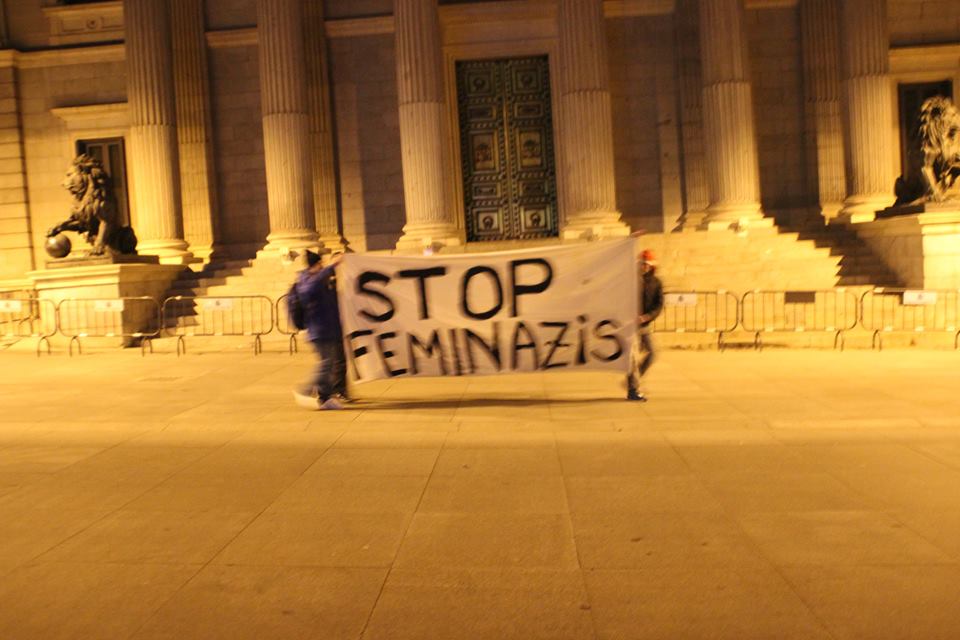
{"points": [[506, 147]]}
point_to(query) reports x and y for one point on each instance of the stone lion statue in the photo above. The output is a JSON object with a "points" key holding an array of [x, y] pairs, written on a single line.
{"points": [[939, 136], [94, 213]]}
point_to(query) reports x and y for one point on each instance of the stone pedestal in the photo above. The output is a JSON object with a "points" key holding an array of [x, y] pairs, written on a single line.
{"points": [[104, 279], [921, 244]]}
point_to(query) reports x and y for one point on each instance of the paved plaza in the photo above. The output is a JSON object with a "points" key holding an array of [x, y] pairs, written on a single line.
{"points": [[776, 495]]}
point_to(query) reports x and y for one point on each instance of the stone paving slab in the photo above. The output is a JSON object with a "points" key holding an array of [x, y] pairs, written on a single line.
{"points": [[780, 494]]}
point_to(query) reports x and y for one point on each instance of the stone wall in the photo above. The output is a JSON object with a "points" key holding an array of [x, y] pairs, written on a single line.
{"points": [[336, 9], [238, 147], [230, 14], [914, 22], [26, 25], [16, 255], [777, 77], [635, 47], [367, 125], [49, 145]]}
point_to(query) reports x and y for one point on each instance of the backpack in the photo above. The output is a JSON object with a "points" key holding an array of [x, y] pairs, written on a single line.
{"points": [[295, 309]]}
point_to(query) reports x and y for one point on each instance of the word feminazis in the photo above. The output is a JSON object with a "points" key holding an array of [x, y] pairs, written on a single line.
{"points": [[524, 344]]}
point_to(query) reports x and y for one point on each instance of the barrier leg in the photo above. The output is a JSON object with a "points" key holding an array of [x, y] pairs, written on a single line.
{"points": [[181, 345], [257, 346], [144, 343], [838, 339], [70, 346], [876, 342], [956, 341], [43, 340], [293, 344], [720, 345], [757, 342]]}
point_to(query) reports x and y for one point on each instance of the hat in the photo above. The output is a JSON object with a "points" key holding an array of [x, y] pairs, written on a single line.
{"points": [[647, 257], [312, 258]]}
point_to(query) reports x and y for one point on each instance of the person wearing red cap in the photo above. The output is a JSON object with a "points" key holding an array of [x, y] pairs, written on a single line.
{"points": [[650, 304]]}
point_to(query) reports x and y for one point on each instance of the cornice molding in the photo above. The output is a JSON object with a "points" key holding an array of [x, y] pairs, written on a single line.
{"points": [[925, 58], [226, 38], [113, 115], [76, 55], [354, 27], [85, 23]]}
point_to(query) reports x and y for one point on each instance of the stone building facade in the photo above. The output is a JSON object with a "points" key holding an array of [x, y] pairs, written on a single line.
{"points": [[248, 125]]}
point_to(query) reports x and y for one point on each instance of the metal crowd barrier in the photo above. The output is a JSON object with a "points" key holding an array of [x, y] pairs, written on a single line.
{"points": [[698, 312], [284, 325], [886, 310], [28, 317], [206, 316], [830, 311], [130, 318]]}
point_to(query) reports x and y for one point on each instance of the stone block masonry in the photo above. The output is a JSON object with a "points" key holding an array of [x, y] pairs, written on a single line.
{"points": [[16, 255]]}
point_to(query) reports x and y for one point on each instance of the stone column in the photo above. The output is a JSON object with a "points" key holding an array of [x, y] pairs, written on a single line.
{"points": [[820, 41], [286, 124], [733, 173], [587, 180], [154, 162], [321, 128], [696, 193], [869, 151], [190, 77], [420, 95]]}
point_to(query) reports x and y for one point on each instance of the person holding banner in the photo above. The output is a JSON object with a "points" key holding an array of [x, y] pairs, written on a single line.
{"points": [[650, 304], [317, 291]]}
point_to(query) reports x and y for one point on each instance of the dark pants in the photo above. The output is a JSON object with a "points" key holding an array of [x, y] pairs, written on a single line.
{"points": [[331, 373], [641, 358]]}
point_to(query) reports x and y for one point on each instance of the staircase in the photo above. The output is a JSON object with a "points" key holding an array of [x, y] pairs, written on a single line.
{"points": [[859, 266], [793, 256]]}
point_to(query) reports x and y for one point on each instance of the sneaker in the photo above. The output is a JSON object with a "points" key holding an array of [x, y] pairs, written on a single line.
{"points": [[635, 395], [306, 401], [331, 403]]}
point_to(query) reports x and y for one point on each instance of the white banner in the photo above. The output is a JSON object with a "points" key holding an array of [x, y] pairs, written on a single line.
{"points": [[559, 308]]}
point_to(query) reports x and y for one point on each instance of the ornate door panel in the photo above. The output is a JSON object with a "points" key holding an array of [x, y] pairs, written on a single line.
{"points": [[506, 146]]}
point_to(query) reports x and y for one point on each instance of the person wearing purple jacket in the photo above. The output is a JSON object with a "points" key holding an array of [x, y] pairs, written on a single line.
{"points": [[317, 290]]}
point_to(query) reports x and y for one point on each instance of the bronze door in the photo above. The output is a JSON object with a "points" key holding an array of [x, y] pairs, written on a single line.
{"points": [[506, 147]]}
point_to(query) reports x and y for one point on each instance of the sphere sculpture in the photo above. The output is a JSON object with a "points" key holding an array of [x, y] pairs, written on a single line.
{"points": [[58, 246]]}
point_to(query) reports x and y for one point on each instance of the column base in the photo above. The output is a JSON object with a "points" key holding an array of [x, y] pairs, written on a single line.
{"points": [[333, 242], [594, 226], [168, 251], [284, 244], [427, 239], [737, 217], [691, 220], [862, 208], [203, 252], [830, 211]]}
